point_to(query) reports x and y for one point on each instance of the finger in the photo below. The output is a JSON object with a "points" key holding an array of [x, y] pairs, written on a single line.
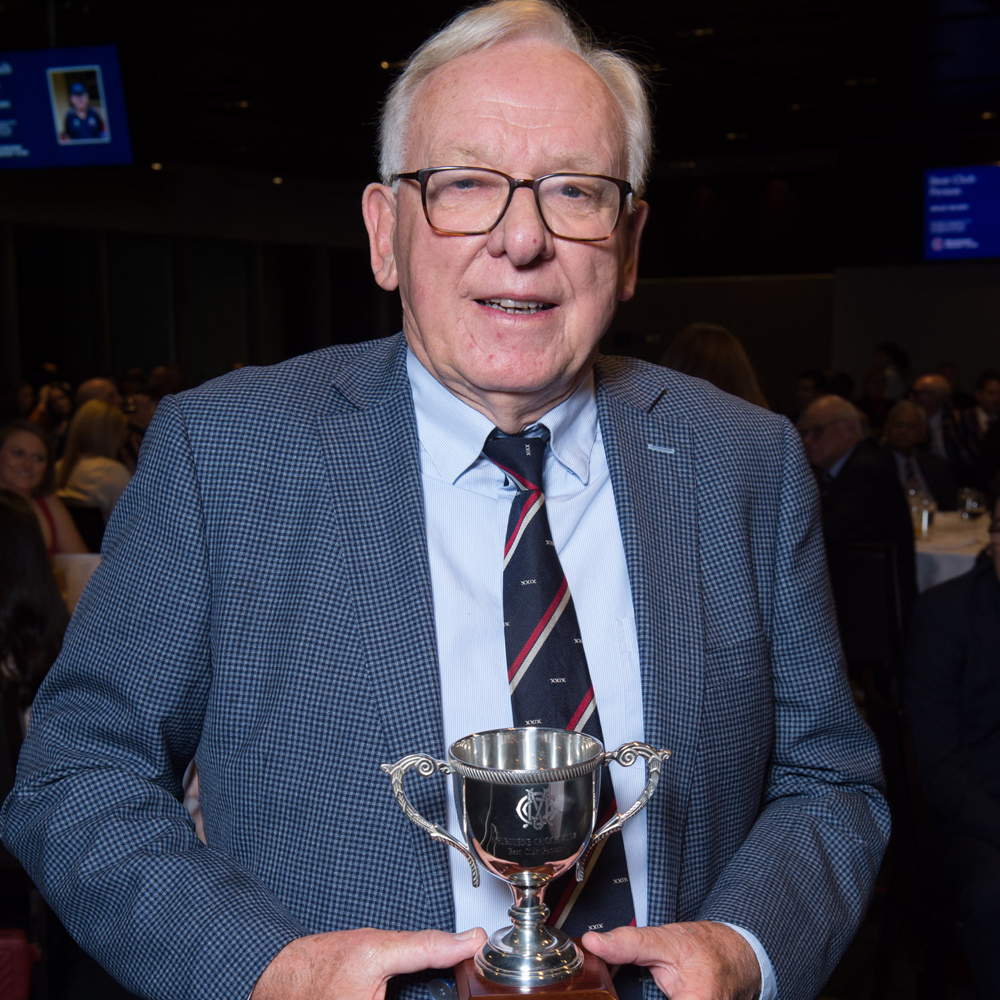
{"points": [[627, 945], [414, 951]]}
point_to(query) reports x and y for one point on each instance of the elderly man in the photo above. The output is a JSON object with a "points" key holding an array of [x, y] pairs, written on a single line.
{"points": [[918, 469], [306, 579], [97, 388], [860, 495], [947, 437]]}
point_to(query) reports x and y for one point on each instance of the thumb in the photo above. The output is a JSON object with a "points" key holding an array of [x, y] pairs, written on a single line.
{"points": [[624, 946], [414, 951]]}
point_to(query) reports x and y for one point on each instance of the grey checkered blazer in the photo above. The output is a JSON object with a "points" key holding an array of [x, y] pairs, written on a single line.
{"points": [[264, 605]]}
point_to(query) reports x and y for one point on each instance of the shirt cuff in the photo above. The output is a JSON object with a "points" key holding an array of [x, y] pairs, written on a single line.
{"points": [[768, 984]]}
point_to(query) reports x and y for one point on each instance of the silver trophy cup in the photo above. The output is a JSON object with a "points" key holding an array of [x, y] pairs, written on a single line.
{"points": [[527, 800]]}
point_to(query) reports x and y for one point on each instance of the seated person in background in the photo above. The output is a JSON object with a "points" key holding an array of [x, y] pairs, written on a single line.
{"points": [[861, 498], [872, 403], [952, 692], [97, 388], [711, 352], [52, 413], [138, 407], [960, 399], [947, 438], [33, 616], [905, 436], [90, 474], [985, 414], [809, 386], [27, 468]]}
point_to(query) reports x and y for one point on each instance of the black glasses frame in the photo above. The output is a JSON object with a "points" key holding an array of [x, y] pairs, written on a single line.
{"points": [[421, 177]]}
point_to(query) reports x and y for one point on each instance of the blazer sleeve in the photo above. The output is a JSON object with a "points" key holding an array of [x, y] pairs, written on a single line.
{"points": [[96, 816], [803, 877]]}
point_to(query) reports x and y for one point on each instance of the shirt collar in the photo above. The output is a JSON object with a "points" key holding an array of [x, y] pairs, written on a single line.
{"points": [[834, 469], [452, 433]]}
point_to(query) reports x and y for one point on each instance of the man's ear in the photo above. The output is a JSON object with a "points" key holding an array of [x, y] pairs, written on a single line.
{"points": [[630, 268], [378, 205]]}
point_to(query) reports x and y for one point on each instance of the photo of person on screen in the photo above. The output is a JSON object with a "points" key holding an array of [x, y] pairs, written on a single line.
{"points": [[82, 121], [78, 106]]}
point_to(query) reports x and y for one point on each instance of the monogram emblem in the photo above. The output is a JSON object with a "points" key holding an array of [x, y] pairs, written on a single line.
{"points": [[535, 808]]}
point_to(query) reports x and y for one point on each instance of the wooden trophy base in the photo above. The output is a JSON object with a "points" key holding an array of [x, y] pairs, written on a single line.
{"points": [[593, 982]]}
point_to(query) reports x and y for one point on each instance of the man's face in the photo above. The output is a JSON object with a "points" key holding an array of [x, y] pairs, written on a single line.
{"points": [[526, 108], [989, 397], [930, 393], [80, 103], [827, 436], [905, 433]]}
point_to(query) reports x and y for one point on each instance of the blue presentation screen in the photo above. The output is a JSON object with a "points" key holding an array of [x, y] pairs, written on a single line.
{"points": [[62, 108], [962, 213]]}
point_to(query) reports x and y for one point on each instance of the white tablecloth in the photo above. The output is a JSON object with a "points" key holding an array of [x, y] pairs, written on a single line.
{"points": [[950, 548]]}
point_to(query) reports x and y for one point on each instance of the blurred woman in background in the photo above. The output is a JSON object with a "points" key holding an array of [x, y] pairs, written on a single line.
{"points": [[27, 469], [33, 616], [711, 352], [90, 473]]}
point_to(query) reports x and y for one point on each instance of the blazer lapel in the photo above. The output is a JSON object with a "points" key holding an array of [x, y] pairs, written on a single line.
{"points": [[653, 473], [372, 456]]}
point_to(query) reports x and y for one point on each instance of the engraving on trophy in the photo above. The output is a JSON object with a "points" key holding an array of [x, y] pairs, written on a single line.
{"points": [[527, 805], [536, 808]]}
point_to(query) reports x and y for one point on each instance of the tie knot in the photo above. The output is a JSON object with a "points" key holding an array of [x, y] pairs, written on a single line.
{"points": [[519, 455]]}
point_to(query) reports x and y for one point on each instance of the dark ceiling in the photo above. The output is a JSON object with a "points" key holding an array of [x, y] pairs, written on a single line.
{"points": [[293, 88], [843, 99]]}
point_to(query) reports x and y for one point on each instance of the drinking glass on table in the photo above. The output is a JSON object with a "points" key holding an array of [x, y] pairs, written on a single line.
{"points": [[971, 502], [922, 509]]}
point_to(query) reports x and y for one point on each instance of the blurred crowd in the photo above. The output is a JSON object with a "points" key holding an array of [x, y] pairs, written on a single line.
{"points": [[70, 452], [925, 669]]}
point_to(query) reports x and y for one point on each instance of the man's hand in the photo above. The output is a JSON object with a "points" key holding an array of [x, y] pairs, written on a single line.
{"points": [[698, 961], [356, 965]]}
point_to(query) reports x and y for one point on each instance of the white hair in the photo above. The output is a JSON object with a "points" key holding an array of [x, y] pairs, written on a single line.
{"points": [[503, 20]]}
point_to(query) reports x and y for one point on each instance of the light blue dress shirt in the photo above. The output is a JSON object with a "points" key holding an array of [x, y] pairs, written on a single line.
{"points": [[466, 504]]}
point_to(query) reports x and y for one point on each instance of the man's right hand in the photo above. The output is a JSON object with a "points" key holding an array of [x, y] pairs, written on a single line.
{"points": [[356, 965]]}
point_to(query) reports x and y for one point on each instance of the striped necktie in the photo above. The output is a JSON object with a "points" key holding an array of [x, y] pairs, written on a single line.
{"points": [[549, 680]]}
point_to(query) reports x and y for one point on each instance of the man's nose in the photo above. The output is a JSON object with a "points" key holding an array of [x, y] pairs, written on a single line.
{"points": [[521, 234]]}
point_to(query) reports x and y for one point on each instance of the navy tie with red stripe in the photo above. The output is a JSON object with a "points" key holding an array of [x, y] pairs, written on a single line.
{"points": [[549, 680]]}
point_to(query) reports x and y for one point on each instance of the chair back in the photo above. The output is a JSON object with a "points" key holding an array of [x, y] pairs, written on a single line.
{"points": [[866, 592]]}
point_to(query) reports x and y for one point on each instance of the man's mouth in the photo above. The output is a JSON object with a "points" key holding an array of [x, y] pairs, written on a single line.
{"points": [[516, 307]]}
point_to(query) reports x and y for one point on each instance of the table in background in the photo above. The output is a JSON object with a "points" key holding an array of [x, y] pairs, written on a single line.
{"points": [[950, 548]]}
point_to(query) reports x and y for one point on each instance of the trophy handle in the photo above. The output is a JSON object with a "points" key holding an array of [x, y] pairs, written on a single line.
{"points": [[626, 755], [426, 766]]}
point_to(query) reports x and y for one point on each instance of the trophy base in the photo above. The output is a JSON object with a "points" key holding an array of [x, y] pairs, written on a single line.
{"points": [[593, 982]]}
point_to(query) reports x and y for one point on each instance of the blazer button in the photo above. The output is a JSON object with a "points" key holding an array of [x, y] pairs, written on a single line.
{"points": [[441, 989]]}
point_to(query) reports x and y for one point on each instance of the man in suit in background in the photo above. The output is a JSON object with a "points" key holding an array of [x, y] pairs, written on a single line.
{"points": [[917, 468], [948, 437], [305, 579], [860, 494], [952, 689]]}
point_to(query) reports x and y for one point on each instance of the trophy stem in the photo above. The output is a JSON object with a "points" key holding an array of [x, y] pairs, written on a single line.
{"points": [[529, 953]]}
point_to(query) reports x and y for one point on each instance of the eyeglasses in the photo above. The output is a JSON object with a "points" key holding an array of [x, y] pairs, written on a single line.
{"points": [[818, 430], [471, 201]]}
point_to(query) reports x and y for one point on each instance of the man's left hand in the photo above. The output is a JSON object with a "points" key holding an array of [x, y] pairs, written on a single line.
{"points": [[697, 961]]}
